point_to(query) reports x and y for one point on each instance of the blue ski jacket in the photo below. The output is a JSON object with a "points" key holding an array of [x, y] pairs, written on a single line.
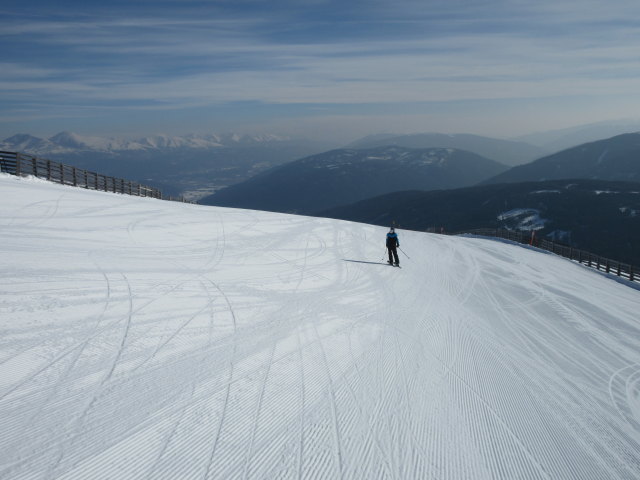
{"points": [[392, 240]]}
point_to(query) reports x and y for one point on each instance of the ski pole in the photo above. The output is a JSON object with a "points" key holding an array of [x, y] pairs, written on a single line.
{"points": [[404, 253], [385, 254]]}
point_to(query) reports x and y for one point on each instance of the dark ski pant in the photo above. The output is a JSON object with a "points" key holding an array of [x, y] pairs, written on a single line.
{"points": [[393, 255]]}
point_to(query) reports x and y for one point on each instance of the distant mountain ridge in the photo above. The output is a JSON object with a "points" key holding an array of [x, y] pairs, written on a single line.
{"points": [[190, 165], [556, 140], [595, 215], [616, 158], [69, 142], [507, 152], [347, 175]]}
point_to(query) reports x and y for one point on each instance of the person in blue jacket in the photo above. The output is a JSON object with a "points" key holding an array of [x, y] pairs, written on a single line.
{"points": [[392, 244]]}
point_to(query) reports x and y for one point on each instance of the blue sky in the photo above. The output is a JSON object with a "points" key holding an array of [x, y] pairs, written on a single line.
{"points": [[330, 69]]}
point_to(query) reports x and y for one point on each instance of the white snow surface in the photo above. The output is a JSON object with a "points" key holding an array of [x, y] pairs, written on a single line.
{"points": [[150, 339]]}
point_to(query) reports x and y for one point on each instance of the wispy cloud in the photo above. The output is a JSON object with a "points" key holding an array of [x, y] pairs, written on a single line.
{"points": [[181, 55]]}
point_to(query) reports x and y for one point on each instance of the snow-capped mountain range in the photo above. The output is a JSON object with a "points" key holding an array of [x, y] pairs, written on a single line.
{"points": [[190, 165], [69, 142]]}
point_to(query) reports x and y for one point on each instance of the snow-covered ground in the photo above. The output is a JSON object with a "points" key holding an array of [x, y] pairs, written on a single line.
{"points": [[150, 339]]}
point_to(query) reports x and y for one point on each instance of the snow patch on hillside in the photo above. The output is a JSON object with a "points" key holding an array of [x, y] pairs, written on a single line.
{"points": [[540, 192], [602, 156], [630, 211], [522, 219]]}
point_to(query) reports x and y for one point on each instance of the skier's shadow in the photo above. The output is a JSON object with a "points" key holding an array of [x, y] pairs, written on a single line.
{"points": [[362, 261]]}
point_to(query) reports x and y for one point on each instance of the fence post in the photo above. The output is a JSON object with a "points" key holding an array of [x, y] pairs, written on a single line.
{"points": [[607, 267], [631, 273], [34, 166], [49, 170], [18, 169], [61, 173], [86, 180], [75, 177]]}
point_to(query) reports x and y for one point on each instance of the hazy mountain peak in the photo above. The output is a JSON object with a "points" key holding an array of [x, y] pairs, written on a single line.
{"points": [[24, 142], [504, 151], [22, 137], [69, 140], [556, 140], [614, 158]]}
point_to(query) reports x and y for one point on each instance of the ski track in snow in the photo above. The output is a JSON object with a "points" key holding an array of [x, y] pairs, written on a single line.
{"points": [[148, 339]]}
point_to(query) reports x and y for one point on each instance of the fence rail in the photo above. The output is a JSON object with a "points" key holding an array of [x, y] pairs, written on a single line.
{"points": [[624, 270], [21, 164]]}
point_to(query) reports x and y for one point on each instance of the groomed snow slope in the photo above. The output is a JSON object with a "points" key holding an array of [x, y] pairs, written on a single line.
{"points": [[150, 339]]}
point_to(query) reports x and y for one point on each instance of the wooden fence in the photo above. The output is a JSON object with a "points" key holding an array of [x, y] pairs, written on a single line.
{"points": [[624, 270], [21, 164]]}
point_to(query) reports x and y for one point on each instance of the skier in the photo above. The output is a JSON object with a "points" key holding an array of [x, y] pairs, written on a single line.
{"points": [[392, 244]]}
